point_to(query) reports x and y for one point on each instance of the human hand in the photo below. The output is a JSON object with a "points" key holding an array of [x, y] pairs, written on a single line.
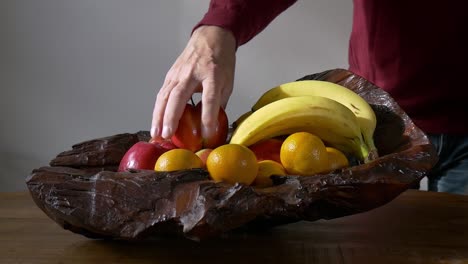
{"points": [[206, 65]]}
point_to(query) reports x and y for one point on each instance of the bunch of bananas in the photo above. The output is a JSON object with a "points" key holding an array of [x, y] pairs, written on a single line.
{"points": [[339, 116]]}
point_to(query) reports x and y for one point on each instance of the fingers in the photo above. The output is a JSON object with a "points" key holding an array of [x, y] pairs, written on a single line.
{"points": [[159, 107], [206, 65], [171, 101], [175, 106], [163, 98], [226, 93], [210, 107]]}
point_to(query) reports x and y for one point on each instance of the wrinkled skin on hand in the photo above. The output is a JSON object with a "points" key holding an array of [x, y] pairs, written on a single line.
{"points": [[206, 65]]}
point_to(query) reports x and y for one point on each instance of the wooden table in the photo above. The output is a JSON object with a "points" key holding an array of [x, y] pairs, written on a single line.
{"points": [[417, 227]]}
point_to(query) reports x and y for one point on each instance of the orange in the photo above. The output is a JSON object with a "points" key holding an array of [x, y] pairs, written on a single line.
{"points": [[267, 168], [304, 154], [178, 159], [336, 159], [232, 163]]}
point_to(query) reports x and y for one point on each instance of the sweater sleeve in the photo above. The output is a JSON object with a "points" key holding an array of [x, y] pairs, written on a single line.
{"points": [[244, 18]]}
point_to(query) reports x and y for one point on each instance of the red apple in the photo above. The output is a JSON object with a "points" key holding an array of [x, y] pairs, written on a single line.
{"points": [[203, 154], [221, 130], [189, 136], [268, 149], [142, 156]]}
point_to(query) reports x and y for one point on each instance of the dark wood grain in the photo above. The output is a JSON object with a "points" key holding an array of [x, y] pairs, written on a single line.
{"points": [[416, 227]]}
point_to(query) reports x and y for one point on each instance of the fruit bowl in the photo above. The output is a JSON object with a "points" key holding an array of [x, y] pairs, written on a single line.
{"points": [[82, 191]]}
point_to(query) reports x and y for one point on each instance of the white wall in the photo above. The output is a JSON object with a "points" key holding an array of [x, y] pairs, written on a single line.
{"points": [[76, 70]]}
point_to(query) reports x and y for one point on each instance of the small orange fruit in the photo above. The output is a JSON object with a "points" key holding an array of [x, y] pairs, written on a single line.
{"points": [[178, 159], [266, 168], [336, 159], [304, 154], [232, 163]]}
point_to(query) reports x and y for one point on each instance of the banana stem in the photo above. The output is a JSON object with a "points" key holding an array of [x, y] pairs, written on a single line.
{"points": [[372, 150], [364, 153]]}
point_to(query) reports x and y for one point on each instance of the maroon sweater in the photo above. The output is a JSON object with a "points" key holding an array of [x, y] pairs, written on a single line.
{"points": [[415, 50]]}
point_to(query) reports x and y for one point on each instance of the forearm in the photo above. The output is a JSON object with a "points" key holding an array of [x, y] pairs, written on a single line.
{"points": [[244, 18]]}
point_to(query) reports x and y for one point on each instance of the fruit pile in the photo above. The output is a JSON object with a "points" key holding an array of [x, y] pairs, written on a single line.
{"points": [[300, 128]]}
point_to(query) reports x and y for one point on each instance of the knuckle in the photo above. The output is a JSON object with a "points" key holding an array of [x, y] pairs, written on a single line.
{"points": [[169, 78], [178, 93], [163, 95], [212, 67], [210, 98], [188, 75]]}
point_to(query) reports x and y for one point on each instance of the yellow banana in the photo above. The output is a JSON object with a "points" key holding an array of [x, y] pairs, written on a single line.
{"points": [[364, 113], [331, 121]]}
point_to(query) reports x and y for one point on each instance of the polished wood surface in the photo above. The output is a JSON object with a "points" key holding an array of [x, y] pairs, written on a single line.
{"points": [[416, 227]]}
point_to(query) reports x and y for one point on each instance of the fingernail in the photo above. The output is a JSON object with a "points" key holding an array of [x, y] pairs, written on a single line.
{"points": [[166, 132], [154, 132]]}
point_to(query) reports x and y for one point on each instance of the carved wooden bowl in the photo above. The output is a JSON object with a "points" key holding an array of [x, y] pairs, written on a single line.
{"points": [[82, 191]]}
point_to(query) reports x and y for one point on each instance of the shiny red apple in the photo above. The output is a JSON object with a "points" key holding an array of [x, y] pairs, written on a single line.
{"points": [[268, 149], [221, 130], [141, 156], [188, 134]]}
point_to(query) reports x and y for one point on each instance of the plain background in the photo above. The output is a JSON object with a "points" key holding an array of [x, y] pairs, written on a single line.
{"points": [[77, 70]]}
